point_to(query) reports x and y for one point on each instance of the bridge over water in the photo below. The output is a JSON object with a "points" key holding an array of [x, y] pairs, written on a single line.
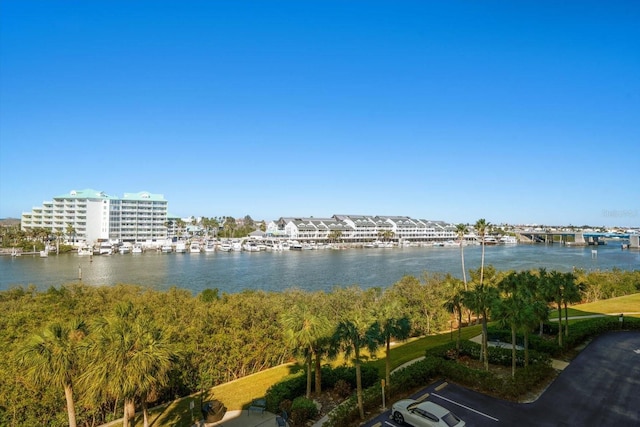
{"points": [[576, 238]]}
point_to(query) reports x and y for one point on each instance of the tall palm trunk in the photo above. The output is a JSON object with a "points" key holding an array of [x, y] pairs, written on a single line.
{"points": [[513, 350], [526, 347], [566, 319], [485, 341], [464, 279], [387, 364], [309, 363], [145, 413], [318, 374], [129, 411], [71, 409], [459, 331], [560, 323], [359, 385], [482, 262]]}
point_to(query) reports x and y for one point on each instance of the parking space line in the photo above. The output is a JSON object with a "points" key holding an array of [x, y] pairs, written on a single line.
{"points": [[423, 397], [441, 386], [465, 407]]}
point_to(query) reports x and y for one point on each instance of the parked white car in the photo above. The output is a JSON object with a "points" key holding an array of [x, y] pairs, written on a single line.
{"points": [[424, 414]]}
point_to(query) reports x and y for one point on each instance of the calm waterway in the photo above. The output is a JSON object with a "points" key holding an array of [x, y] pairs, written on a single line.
{"points": [[311, 270]]}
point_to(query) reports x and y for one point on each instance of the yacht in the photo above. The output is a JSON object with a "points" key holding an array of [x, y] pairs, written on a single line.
{"points": [[137, 248], [250, 246], [490, 240], [181, 247], [508, 240], [105, 248], [166, 248], [125, 248], [85, 251], [225, 247], [210, 246], [194, 248]]}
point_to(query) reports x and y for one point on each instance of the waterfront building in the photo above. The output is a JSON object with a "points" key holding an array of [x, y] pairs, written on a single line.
{"points": [[95, 216], [361, 228]]}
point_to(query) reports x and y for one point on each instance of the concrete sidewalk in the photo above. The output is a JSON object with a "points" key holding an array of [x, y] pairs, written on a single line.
{"points": [[242, 418]]}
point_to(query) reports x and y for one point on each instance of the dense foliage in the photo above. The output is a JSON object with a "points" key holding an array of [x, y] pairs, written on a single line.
{"points": [[97, 341]]}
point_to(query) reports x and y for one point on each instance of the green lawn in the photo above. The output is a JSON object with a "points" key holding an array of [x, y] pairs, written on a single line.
{"points": [[625, 304]]}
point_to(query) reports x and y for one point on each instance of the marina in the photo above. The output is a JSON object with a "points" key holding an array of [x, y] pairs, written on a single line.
{"points": [[231, 270]]}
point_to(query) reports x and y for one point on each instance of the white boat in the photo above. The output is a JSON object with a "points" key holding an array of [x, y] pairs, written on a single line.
{"points": [[225, 247], [85, 251], [166, 248], [105, 248], [250, 246], [44, 253], [125, 248], [137, 248], [194, 248], [490, 240], [508, 240], [236, 246], [181, 247], [210, 246]]}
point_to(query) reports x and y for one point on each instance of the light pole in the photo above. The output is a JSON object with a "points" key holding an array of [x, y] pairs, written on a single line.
{"points": [[621, 319]]}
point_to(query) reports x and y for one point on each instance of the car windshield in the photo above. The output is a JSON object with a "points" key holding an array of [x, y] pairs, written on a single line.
{"points": [[451, 419]]}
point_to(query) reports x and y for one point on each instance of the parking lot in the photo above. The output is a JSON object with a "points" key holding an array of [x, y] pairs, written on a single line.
{"points": [[600, 387]]}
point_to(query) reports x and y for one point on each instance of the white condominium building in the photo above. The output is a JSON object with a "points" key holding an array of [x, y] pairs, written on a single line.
{"points": [[362, 228], [92, 216]]}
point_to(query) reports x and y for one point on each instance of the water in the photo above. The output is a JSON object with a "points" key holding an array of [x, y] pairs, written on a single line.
{"points": [[310, 270]]}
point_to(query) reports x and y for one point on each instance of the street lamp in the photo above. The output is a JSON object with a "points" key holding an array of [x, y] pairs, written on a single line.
{"points": [[621, 319]]}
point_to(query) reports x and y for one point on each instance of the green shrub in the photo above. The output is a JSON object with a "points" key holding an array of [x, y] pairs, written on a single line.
{"points": [[330, 376], [302, 409], [287, 389], [296, 385], [342, 388], [347, 412]]}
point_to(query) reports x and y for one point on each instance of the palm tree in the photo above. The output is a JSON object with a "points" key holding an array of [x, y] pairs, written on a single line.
{"points": [[571, 295], [303, 331], [480, 299], [71, 232], [52, 358], [59, 235], [454, 305], [536, 310], [334, 235], [511, 309], [353, 335], [554, 287], [481, 228], [392, 324], [133, 358], [461, 230]]}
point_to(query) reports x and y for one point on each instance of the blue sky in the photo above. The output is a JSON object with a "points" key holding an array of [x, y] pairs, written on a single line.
{"points": [[513, 111]]}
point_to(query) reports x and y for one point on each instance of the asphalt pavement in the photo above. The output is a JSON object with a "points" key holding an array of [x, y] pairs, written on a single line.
{"points": [[600, 387]]}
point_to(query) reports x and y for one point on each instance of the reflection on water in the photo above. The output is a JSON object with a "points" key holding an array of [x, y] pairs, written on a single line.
{"points": [[312, 270]]}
